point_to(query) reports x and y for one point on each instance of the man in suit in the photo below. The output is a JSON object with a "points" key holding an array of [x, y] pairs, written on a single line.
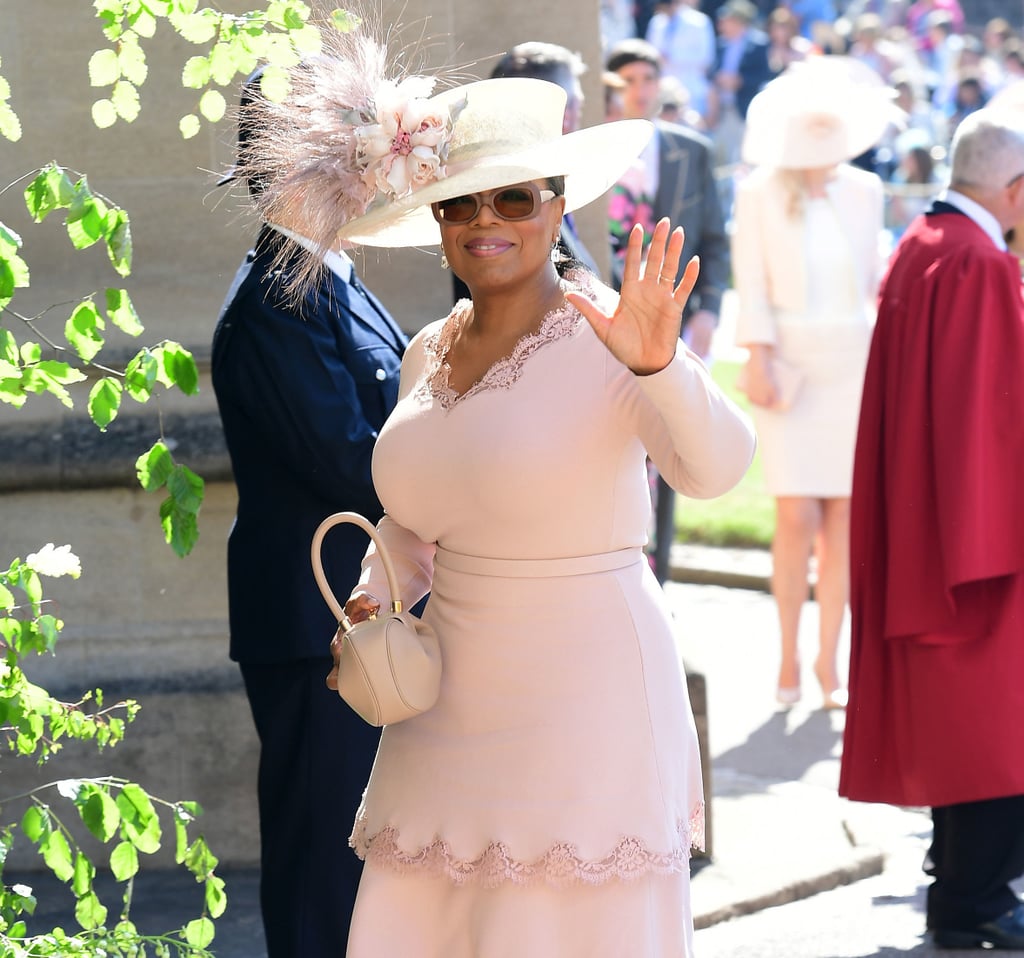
{"points": [[741, 70], [937, 556], [678, 175], [303, 389]]}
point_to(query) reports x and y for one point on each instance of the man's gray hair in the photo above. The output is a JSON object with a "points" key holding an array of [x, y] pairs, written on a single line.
{"points": [[988, 149]]}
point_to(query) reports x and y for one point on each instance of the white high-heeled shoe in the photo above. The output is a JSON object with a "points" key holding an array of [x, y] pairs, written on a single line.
{"points": [[787, 695]]}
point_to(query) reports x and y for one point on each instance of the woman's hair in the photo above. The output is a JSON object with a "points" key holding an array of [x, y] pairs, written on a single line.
{"points": [[923, 165], [566, 259]]}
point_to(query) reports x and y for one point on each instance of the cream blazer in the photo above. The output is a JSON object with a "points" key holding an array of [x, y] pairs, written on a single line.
{"points": [[769, 271]]}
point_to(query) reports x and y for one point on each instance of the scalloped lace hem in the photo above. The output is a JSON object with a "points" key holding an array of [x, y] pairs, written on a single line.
{"points": [[560, 865]]}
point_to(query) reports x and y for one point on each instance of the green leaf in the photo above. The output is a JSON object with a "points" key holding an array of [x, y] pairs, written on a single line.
{"points": [[119, 243], [140, 375], [345, 22], [122, 313], [178, 368], [186, 488], [82, 330], [189, 126], [86, 218], [7, 601], [51, 190], [8, 347], [100, 814], [213, 105], [105, 401], [124, 861], [10, 242], [57, 855], [139, 822], [143, 22], [10, 125], [199, 932], [196, 73], [13, 275], [275, 83], [90, 912], [104, 114], [222, 64], [216, 899], [196, 28], [85, 871], [35, 823], [132, 60], [200, 860], [181, 531], [104, 69], [154, 467], [125, 98]]}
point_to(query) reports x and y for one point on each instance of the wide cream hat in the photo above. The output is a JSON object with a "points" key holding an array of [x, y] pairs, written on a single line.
{"points": [[506, 131], [819, 112]]}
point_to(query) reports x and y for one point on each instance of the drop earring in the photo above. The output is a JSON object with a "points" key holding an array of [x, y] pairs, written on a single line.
{"points": [[556, 253], [444, 262]]}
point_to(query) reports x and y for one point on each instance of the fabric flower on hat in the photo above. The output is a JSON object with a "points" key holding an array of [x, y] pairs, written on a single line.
{"points": [[407, 146]]}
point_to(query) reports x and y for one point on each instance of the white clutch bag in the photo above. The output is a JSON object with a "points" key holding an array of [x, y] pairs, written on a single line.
{"points": [[390, 666], [788, 378]]}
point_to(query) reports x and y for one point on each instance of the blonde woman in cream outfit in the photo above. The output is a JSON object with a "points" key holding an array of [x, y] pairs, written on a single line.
{"points": [[806, 267], [547, 804]]}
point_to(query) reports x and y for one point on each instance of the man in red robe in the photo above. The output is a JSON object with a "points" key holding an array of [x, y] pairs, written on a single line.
{"points": [[936, 711]]}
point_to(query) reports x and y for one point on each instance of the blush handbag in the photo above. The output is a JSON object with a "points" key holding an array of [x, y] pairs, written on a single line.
{"points": [[788, 378], [390, 664]]}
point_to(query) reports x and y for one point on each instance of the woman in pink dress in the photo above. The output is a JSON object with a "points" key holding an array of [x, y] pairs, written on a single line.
{"points": [[547, 804]]}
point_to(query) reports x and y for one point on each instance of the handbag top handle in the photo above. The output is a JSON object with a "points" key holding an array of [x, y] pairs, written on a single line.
{"points": [[354, 518]]}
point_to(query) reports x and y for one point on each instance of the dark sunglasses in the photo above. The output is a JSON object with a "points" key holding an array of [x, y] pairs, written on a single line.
{"points": [[520, 202]]}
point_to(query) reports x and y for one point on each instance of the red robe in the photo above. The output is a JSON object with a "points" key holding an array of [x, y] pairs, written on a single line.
{"points": [[936, 712]]}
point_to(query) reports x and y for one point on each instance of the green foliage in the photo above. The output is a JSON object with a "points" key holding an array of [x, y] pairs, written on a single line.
{"points": [[34, 360], [26, 368], [10, 125], [115, 812], [235, 45]]}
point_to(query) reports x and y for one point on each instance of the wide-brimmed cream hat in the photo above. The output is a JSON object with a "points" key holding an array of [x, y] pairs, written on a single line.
{"points": [[819, 112], [506, 131]]}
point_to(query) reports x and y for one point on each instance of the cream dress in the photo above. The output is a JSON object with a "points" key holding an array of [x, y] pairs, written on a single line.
{"points": [[807, 450], [546, 806]]}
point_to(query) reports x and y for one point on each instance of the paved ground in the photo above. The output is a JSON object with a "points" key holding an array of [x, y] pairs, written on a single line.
{"points": [[779, 831]]}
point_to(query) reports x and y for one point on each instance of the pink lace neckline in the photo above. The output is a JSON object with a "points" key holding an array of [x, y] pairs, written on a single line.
{"points": [[560, 322], [560, 865]]}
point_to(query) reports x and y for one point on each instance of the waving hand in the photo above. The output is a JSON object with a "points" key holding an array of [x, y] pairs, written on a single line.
{"points": [[643, 331]]}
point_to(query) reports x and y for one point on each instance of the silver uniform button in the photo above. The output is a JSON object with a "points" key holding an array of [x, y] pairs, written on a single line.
{"points": [[381, 375]]}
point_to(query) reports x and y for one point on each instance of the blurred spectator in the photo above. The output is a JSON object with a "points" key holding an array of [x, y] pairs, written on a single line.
{"points": [[813, 15], [1013, 62], [617, 22], [969, 96], [741, 69], [916, 181], [613, 86], [868, 44], [996, 35], [674, 105], [785, 44], [917, 16], [685, 39]]}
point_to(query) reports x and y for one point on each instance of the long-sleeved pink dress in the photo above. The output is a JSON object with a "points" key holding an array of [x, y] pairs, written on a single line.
{"points": [[546, 806]]}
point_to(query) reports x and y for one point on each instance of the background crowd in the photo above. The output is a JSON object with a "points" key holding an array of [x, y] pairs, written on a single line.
{"points": [[715, 56]]}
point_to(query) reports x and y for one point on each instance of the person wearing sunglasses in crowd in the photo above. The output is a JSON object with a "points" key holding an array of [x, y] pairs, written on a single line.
{"points": [[547, 803]]}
